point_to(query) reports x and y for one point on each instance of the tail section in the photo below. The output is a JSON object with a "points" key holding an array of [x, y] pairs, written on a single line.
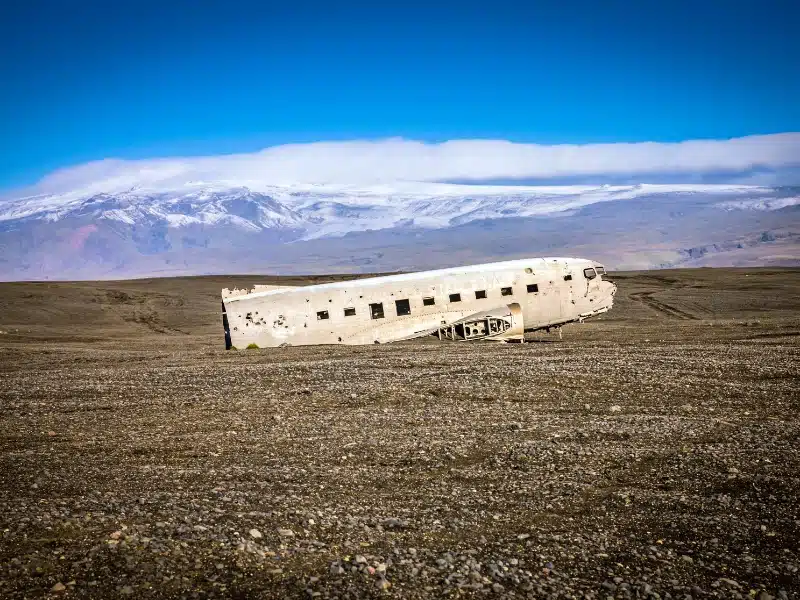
{"points": [[226, 327]]}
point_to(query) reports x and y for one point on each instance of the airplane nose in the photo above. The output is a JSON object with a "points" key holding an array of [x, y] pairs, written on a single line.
{"points": [[609, 290]]}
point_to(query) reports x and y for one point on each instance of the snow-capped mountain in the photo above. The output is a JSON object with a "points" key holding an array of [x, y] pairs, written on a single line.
{"points": [[200, 226], [325, 210], [175, 208]]}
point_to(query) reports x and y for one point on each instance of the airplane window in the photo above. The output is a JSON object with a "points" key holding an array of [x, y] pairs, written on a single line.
{"points": [[480, 294], [507, 291], [322, 315], [533, 288], [428, 301], [568, 277], [403, 307], [601, 270], [589, 273], [376, 310], [349, 312], [455, 297]]}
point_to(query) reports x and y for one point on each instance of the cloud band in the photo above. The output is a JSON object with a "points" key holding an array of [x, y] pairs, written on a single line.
{"points": [[392, 160]]}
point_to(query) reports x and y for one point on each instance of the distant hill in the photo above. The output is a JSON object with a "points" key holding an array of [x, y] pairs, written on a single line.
{"points": [[223, 227]]}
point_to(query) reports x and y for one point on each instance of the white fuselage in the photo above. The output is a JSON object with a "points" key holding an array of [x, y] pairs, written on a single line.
{"points": [[549, 291]]}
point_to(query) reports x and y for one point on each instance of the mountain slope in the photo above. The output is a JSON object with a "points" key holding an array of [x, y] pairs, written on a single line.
{"points": [[220, 227]]}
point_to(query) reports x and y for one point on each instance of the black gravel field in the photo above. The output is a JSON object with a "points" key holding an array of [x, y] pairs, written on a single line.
{"points": [[651, 453]]}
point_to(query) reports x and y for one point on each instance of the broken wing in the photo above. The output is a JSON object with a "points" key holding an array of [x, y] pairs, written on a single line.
{"points": [[503, 324]]}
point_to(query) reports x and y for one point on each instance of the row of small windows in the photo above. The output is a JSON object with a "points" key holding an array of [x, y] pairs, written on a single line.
{"points": [[403, 307]]}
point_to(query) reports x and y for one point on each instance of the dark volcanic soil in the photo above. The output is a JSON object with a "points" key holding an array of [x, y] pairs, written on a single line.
{"points": [[653, 453]]}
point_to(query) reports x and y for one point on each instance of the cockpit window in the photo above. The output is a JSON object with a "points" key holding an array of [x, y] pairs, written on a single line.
{"points": [[589, 273], [601, 270]]}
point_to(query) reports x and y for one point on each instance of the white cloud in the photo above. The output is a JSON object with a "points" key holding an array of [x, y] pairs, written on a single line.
{"points": [[391, 160]]}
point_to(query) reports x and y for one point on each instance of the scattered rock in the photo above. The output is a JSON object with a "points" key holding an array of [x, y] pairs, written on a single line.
{"points": [[382, 584], [446, 494]]}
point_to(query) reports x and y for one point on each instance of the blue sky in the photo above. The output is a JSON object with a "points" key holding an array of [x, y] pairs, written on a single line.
{"points": [[89, 79]]}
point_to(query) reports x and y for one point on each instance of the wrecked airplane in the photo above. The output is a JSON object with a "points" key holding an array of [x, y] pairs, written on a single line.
{"points": [[498, 301]]}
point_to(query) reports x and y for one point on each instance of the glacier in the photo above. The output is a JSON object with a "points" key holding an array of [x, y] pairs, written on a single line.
{"points": [[321, 210]]}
